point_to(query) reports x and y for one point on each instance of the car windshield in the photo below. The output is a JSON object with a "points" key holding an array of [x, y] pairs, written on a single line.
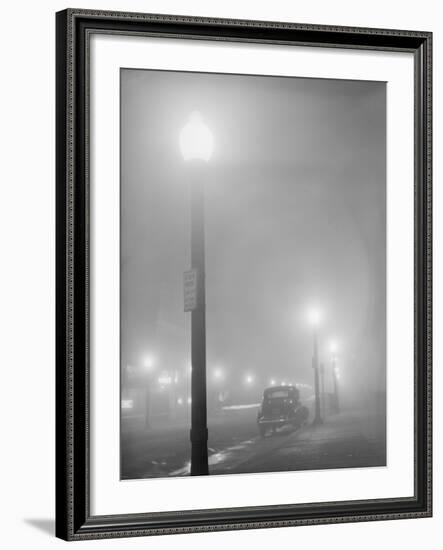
{"points": [[278, 394]]}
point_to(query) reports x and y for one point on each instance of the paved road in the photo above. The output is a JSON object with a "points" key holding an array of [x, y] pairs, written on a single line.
{"points": [[350, 439]]}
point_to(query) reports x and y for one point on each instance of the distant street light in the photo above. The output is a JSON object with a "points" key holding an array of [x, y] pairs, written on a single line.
{"points": [[272, 383], [218, 374], [149, 363], [249, 379], [333, 346], [196, 145], [314, 318]]}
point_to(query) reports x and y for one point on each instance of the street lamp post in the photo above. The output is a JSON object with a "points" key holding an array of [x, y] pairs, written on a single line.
{"points": [[322, 388], [196, 145], [148, 365], [314, 318], [335, 385], [335, 398], [218, 396]]}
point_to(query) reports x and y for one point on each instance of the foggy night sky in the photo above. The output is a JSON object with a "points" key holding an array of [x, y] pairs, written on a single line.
{"points": [[295, 216]]}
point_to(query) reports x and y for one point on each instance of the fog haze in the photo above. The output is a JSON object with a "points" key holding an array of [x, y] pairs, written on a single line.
{"points": [[295, 216]]}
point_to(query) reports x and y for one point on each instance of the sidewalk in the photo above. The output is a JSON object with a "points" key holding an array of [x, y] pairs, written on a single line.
{"points": [[166, 448], [346, 440]]}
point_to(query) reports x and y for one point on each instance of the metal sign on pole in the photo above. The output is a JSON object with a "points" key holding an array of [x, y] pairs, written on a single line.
{"points": [[190, 289]]}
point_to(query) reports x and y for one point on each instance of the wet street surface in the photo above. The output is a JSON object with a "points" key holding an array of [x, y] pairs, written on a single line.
{"points": [[350, 439]]}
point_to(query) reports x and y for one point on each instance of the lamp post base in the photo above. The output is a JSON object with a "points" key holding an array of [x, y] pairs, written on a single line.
{"points": [[199, 452]]}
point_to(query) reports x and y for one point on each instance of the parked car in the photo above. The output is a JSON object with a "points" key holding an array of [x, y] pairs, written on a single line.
{"points": [[281, 406]]}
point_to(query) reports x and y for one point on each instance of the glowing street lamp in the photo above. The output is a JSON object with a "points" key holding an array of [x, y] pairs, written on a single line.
{"points": [[333, 347], [249, 379], [218, 374], [196, 145], [149, 363], [196, 139], [314, 318]]}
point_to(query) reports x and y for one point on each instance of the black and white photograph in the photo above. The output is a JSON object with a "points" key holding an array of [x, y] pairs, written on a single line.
{"points": [[253, 311], [243, 321]]}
